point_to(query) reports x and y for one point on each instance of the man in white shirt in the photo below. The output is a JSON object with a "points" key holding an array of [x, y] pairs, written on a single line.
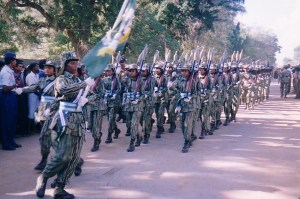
{"points": [[33, 98], [8, 103]]}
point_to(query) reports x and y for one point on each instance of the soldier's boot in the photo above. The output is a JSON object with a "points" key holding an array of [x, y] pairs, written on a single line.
{"points": [[172, 127], [78, 169], [128, 132], [131, 146], [159, 132], [186, 146], [202, 134], [218, 124], [41, 184], [138, 140], [53, 184], [117, 133], [146, 139], [213, 127], [60, 193], [226, 122], [96, 145], [209, 132], [193, 137], [40, 166], [108, 139]]}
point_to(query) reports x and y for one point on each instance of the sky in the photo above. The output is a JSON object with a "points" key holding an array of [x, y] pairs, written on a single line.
{"points": [[282, 17]]}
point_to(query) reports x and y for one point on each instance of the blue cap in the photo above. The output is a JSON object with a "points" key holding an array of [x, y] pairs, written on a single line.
{"points": [[10, 55]]}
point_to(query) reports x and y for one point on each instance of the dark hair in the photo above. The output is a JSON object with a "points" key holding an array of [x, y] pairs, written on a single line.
{"points": [[8, 60], [41, 63], [32, 65], [1, 63]]}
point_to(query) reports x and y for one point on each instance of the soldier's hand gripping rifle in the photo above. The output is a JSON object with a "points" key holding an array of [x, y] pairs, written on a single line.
{"points": [[195, 55], [114, 80]]}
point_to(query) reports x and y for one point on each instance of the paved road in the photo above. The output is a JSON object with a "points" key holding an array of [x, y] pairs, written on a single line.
{"points": [[256, 158]]}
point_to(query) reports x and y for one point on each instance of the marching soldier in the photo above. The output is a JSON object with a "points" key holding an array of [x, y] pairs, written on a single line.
{"points": [[247, 85], [112, 90], [160, 90], [98, 108], [285, 80], [148, 102], [133, 106], [205, 102], [215, 95], [236, 91], [228, 93], [185, 105], [69, 121], [171, 103]]}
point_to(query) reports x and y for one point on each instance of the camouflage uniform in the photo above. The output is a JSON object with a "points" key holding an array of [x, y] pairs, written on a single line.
{"points": [[247, 87], [205, 103], [68, 138], [215, 95], [98, 108], [148, 104], [197, 102], [185, 105], [285, 79], [112, 88], [132, 100], [171, 102], [236, 91], [228, 93], [160, 91]]}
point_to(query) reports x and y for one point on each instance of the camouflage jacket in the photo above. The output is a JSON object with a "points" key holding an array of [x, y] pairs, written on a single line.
{"points": [[133, 95], [148, 89], [112, 91], [160, 89]]}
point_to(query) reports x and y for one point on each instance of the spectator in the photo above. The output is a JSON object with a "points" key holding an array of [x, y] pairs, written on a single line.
{"points": [[22, 100], [42, 67], [33, 98], [8, 103]]}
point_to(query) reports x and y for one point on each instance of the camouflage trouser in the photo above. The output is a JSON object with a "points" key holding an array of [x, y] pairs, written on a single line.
{"points": [[87, 114], [284, 89], [297, 89], [235, 101], [45, 138], [146, 119], [213, 112], [159, 112], [134, 118], [246, 96], [112, 125], [96, 124], [195, 119], [186, 124], [66, 158], [228, 104], [171, 105], [204, 116]]}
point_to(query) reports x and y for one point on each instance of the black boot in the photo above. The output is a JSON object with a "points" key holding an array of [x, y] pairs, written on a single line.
{"points": [[78, 169], [209, 132], [146, 139], [226, 122], [131, 146], [40, 166], [193, 137], [117, 132], [172, 127], [95, 146], [138, 141], [53, 184], [108, 139], [202, 134], [218, 123], [186, 146], [41, 186], [128, 132], [159, 132], [60, 193]]}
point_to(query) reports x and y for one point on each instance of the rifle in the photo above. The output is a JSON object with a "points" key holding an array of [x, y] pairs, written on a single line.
{"points": [[155, 58], [196, 52], [140, 62]]}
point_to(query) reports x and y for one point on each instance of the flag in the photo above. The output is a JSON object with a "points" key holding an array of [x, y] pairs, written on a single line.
{"points": [[115, 39]]}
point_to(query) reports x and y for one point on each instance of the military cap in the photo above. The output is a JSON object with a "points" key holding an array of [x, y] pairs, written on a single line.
{"points": [[213, 66], [132, 66]]}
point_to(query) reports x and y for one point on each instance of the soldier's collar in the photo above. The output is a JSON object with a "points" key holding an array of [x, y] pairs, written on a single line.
{"points": [[69, 75], [50, 78]]}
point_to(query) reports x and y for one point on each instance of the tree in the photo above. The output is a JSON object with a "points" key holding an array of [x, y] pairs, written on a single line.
{"points": [[81, 21], [286, 60]]}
